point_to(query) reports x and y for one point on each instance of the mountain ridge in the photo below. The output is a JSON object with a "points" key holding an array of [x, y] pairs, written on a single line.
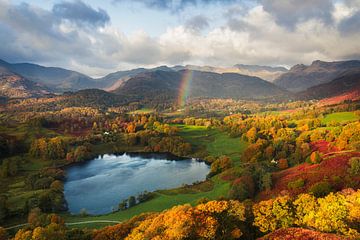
{"points": [[301, 77]]}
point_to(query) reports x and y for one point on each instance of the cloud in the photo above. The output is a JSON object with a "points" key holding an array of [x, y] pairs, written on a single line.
{"points": [[290, 12], [175, 5], [250, 35], [80, 13], [351, 24], [197, 23]]}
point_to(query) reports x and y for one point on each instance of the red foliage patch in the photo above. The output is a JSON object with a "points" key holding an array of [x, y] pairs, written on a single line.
{"points": [[300, 234], [332, 167], [323, 147], [354, 95]]}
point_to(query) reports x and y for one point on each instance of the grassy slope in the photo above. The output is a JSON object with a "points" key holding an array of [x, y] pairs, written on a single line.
{"points": [[216, 143], [340, 117]]}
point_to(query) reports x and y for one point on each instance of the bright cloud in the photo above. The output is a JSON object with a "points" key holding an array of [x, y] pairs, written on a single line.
{"points": [[76, 35]]}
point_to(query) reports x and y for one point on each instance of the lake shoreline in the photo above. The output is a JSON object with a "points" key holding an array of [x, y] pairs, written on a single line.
{"points": [[124, 175]]}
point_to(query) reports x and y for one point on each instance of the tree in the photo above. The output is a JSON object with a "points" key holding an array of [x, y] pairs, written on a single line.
{"points": [[220, 165], [321, 189], [251, 135], [3, 208], [3, 234], [315, 157], [283, 163], [123, 205], [132, 201], [242, 188], [57, 186], [354, 166], [36, 218], [273, 214], [266, 182]]}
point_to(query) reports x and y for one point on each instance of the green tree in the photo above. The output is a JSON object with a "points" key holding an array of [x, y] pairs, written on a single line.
{"points": [[131, 201]]}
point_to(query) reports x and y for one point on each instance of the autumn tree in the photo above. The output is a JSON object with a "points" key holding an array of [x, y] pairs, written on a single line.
{"points": [[3, 234], [273, 214]]}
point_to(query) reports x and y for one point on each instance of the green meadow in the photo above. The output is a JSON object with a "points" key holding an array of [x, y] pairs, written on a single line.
{"points": [[340, 117]]}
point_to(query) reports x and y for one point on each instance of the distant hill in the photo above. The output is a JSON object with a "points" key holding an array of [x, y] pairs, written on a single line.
{"points": [[345, 84], [300, 77], [13, 85], [264, 72], [91, 98], [167, 84], [58, 79], [114, 80]]}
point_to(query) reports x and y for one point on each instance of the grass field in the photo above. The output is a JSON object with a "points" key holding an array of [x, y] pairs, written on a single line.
{"points": [[217, 143], [340, 117]]}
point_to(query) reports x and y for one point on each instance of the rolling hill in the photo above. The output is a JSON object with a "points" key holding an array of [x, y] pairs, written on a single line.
{"points": [[348, 83], [301, 77], [13, 85], [57, 79], [264, 72], [167, 84]]}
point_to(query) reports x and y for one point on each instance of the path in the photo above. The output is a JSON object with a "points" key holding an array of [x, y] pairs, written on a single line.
{"points": [[68, 224]]}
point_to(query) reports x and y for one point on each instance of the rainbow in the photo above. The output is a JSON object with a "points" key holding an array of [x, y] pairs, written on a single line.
{"points": [[184, 87]]}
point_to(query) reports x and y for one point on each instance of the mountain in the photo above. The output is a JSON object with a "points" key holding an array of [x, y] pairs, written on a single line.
{"points": [[13, 85], [114, 80], [91, 98], [58, 79], [300, 77], [168, 84], [346, 84], [265, 72]]}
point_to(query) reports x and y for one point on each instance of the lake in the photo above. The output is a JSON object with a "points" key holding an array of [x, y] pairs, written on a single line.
{"points": [[99, 185]]}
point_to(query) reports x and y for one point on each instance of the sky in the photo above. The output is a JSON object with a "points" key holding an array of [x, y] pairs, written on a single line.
{"points": [[97, 37]]}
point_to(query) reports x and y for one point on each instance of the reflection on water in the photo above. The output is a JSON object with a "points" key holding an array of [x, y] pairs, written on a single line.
{"points": [[100, 184]]}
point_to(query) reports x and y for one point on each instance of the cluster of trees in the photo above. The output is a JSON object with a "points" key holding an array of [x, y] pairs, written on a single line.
{"points": [[51, 199], [274, 138], [173, 144], [49, 148], [211, 220], [223, 219], [79, 153], [339, 212], [10, 166], [219, 165], [49, 226], [132, 201]]}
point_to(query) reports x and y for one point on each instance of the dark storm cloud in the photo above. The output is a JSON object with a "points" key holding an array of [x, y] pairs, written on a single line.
{"points": [[80, 13], [197, 23], [289, 12], [350, 24], [34, 34]]}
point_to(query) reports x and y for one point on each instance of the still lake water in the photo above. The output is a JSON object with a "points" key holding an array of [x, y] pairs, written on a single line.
{"points": [[99, 185]]}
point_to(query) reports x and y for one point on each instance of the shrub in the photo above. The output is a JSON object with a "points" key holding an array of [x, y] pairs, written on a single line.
{"points": [[221, 164], [314, 158], [354, 166], [283, 163], [321, 189], [239, 191], [3, 234], [299, 183], [266, 182]]}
